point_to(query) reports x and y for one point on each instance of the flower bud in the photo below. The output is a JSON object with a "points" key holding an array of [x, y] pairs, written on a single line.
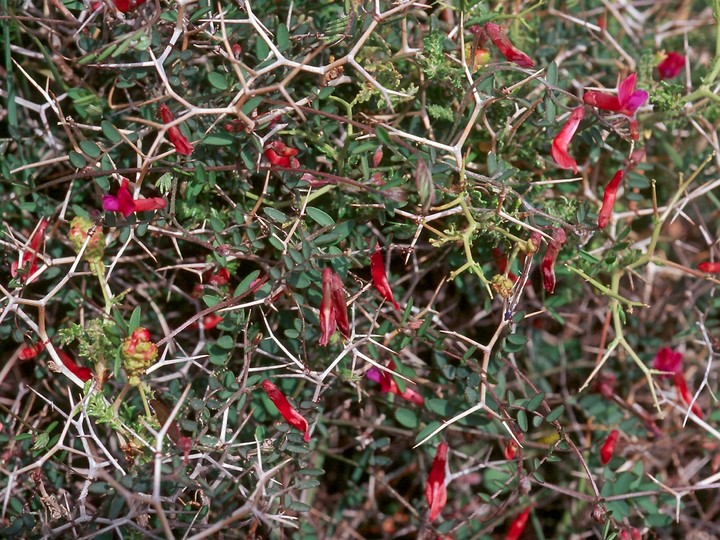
{"points": [[79, 231], [138, 354]]}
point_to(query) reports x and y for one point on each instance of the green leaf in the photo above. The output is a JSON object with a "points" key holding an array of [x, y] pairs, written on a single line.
{"points": [[134, 320], [555, 414], [283, 38], [219, 139], [77, 160], [319, 217], [275, 215], [406, 418], [535, 401], [552, 74], [111, 132], [218, 80]]}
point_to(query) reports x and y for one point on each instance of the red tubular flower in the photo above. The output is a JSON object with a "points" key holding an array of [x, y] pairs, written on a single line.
{"points": [[327, 312], [28, 259], [682, 388], [506, 48], [518, 525], [668, 360], [82, 373], [671, 66], [502, 263], [709, 267], [627, 101], [379, 277], [31, 351], [388, 384], [280, 155], [547, 267], [435, 489], [561, 142], [290, 415], [340, 306], [178, 140], [609, 200], [124, 203], [511, 447], [333, 308], [608, 448], [211, 321], [123, 6]]}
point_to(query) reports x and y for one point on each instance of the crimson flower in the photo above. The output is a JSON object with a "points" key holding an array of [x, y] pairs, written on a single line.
{"points": [[671, 66], [388, 384], [506, 48], [333, 308], [211, 321], [28, 259], [82, 373], [287, 411], [609, 200], [561, 142], [29, 352], [518, 525], [501, 261], [124, 203], [608, 448], [178, 140], [281, 155], [547, 267], [435, 489], [685, 394], [668, 360], [627, 101], [709, 267], [379, 277], [123, 6], [511, 447]]}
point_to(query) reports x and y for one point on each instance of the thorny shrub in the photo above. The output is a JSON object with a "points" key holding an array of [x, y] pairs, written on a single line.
{"points": [[359, 270]]}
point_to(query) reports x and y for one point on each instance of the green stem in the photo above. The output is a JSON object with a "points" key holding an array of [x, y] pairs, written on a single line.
{"points": [[604, 289]]}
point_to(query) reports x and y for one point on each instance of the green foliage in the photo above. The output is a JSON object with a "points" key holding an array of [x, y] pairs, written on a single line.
{"points": [[325, 134]]}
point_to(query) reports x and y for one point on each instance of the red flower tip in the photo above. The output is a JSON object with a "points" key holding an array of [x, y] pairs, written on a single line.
{"points": [[506, 48], [333, 308], [28, 259], [561, 142], [511, 447], [379, 277], [178, 140], [547, 267], [671, 66], [668, 360], [31, 351], [709, 267], [82, 373], [608, 448], [435, 489], [388, 384], [211, 321], [609, 200], [518, 525], [281, 155], [287, 411], [687, 397]]}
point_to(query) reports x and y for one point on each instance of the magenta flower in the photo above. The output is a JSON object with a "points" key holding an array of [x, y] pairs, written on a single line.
{"points": [[124, 203], [668, 360], [671, 66], [627, 101], [561, 142]]}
